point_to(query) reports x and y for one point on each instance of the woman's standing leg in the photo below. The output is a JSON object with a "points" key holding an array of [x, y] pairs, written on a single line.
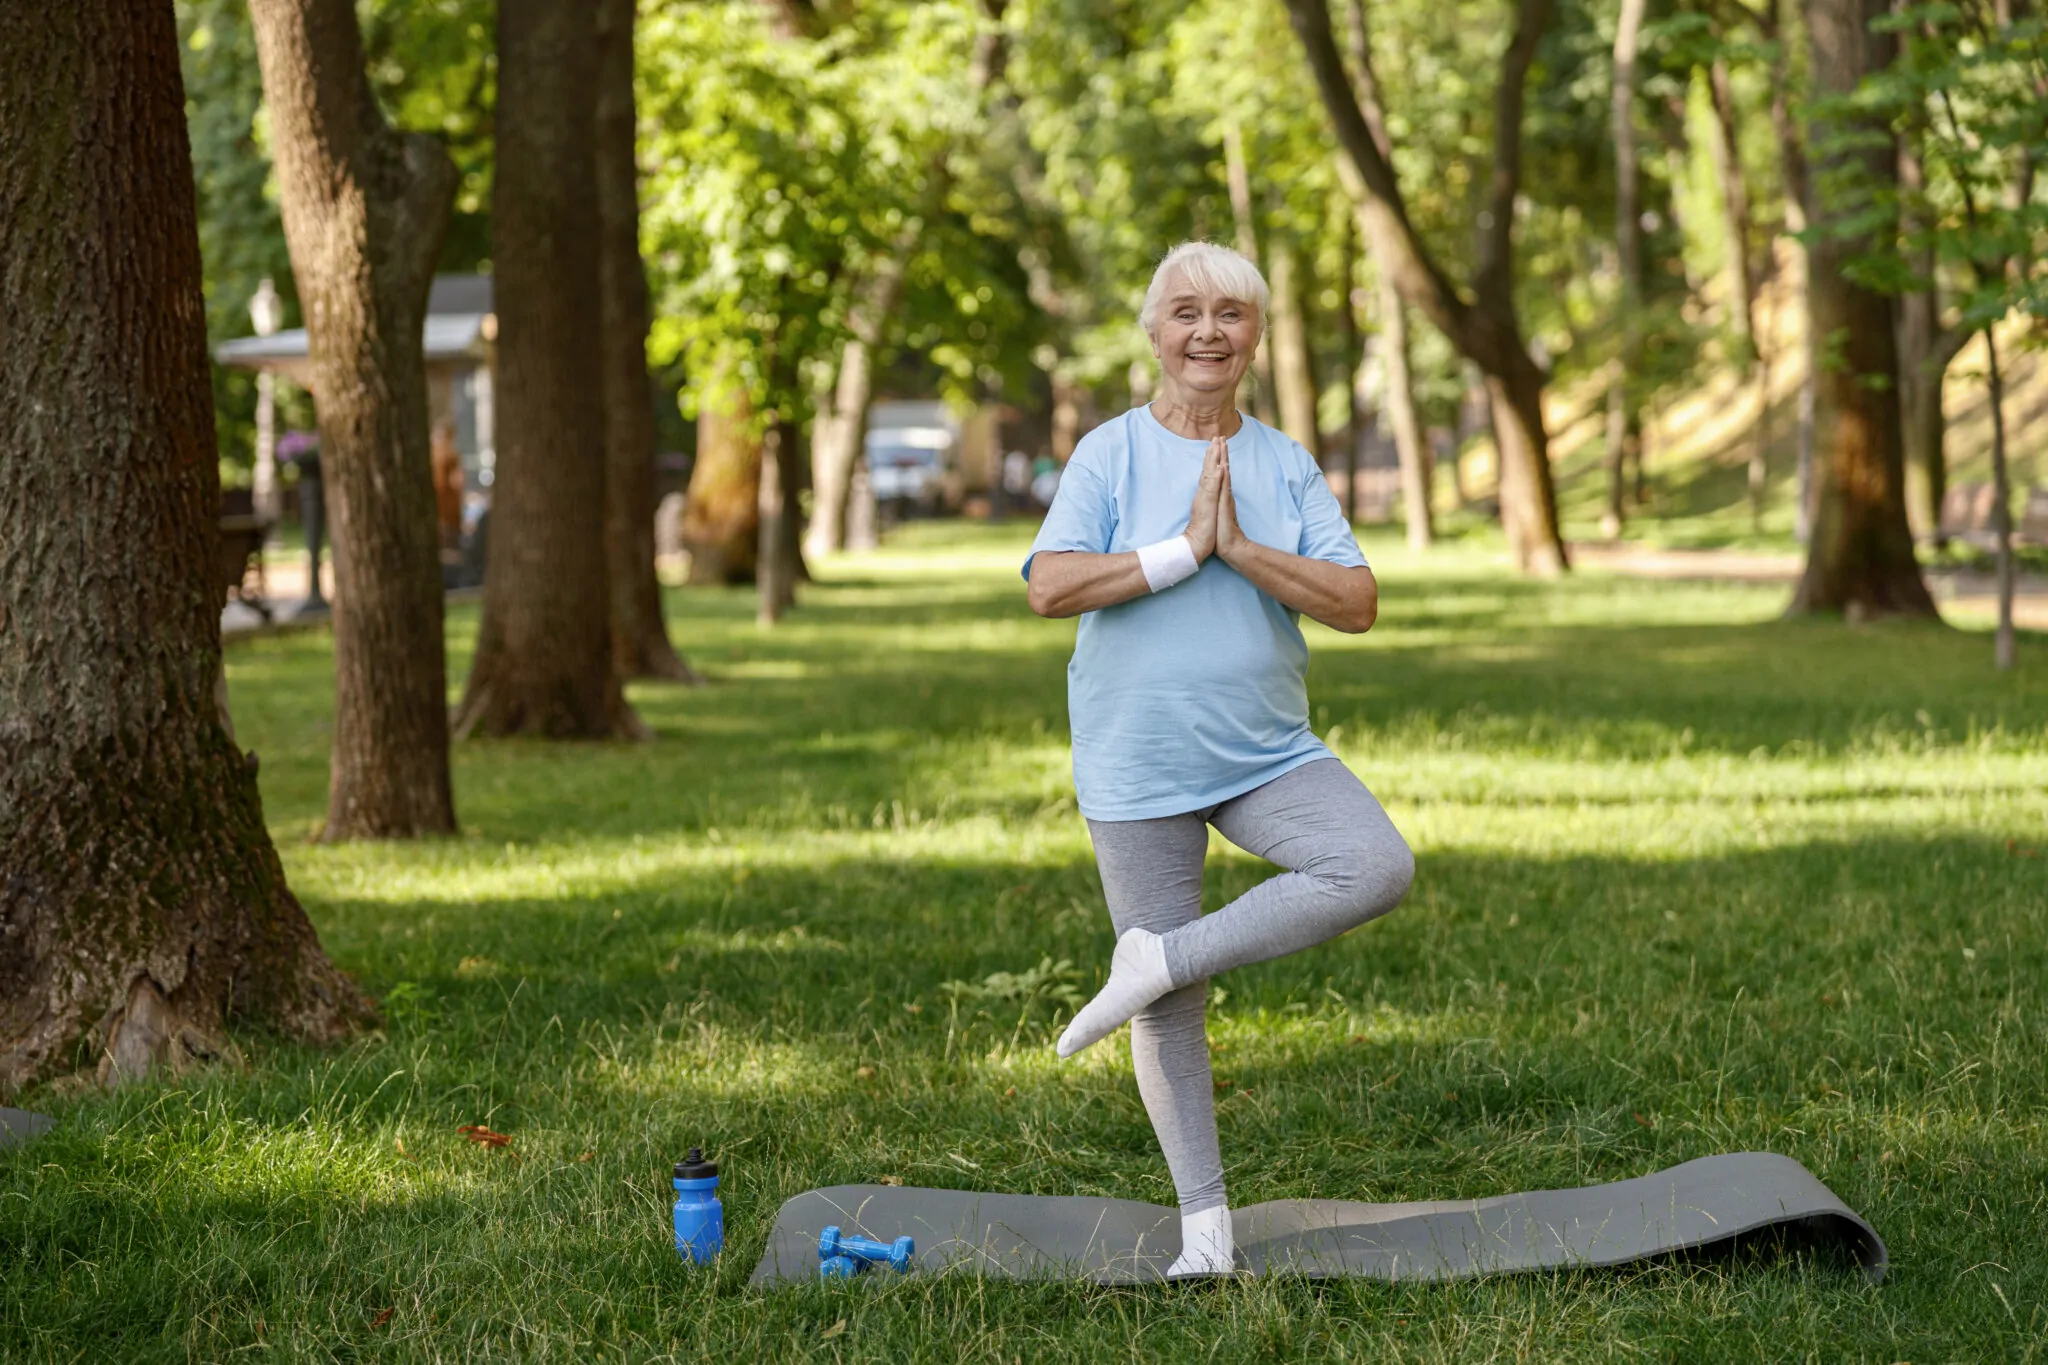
{"points": [[1152, 879]]}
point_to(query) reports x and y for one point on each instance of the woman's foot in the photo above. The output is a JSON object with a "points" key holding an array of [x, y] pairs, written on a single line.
{"points": [[1206, 1245], [1137, 977]]}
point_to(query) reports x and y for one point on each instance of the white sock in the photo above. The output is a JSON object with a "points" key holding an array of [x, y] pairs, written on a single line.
{"points": [[1206, 1244], [1137, 977]]}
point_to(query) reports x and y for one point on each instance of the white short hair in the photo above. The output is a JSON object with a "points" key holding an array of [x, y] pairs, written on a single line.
{"points": [[1211, 269]]}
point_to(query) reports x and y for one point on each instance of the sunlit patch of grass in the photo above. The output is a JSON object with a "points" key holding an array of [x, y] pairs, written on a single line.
{"points": [[1691, 880]]}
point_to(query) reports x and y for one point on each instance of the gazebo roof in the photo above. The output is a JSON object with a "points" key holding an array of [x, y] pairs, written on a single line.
{"points": [[460, 321]]}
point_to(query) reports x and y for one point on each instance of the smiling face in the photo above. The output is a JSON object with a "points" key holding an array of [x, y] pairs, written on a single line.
{"points": [[1204, 342]]}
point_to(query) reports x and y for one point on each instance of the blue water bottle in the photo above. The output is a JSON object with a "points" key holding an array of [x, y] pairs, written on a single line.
{"points": [[700, 1218]]}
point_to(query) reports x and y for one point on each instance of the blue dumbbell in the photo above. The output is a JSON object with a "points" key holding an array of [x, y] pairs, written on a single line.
{"points": [[838, 1268], [896, 1255]]}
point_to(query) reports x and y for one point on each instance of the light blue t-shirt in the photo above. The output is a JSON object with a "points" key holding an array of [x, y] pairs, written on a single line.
{"points": [[1185, 698]]}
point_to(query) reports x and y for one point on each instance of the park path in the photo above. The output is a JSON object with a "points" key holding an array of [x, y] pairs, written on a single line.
{"points": [[1958, 592]]}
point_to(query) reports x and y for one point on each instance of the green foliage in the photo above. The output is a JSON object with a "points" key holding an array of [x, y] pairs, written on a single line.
{"points": [[785, 172], [1690, 880], [241, 238]]}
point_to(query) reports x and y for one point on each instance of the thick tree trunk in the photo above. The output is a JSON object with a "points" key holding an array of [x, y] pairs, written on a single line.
{"points": [[722, 516], [364, 208], [1861, 555], [544, 648], [1484, 328], [640, 643], [142, 905], [1293, 369], [1237, 175]]}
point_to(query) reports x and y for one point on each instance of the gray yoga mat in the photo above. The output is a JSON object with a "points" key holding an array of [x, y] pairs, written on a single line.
{"points": [[1713, 1200], [18, 1125]]}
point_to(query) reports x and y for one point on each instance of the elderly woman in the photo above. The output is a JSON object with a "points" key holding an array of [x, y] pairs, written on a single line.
{"points": [[1190, 539]]}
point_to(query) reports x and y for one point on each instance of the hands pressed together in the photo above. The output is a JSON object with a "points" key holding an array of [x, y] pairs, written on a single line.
{"points": [[1212, 520]]}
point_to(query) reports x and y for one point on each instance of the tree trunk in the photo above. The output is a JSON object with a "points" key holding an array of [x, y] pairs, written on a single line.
{"points": [[1624, 424], [142, 905], [1861, 555], [1484, 328], [722, 516], [2004, 649], [1293, 372], [1925, 350], [364, 208], [544, 648], [1355, 369], [1238, 176], [839, 432], [1725, 150], [780, 554], [1790, 138], [1397, 400], [640, 643]]}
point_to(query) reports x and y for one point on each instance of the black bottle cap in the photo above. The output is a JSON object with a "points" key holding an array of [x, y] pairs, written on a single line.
{"points": [[695, 1167]]}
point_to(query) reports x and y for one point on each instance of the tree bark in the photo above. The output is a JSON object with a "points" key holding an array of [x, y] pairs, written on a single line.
{"points": [[1293, 370], [722, 516], [1238, 176], [1485, 329], [839, 431], [1398, 399], [142, 905], [1624, 423], [1792, 146], [1860, 558], [544, 650], [364, 208], [1724, 148], [640, 643], [1925, 350]]}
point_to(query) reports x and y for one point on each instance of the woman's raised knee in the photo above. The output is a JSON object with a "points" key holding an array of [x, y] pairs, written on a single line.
{"points": [[1369, 875]]}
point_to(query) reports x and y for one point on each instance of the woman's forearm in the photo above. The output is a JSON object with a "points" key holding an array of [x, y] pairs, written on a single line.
{"points": [[1341, 597], [1069, 582]]}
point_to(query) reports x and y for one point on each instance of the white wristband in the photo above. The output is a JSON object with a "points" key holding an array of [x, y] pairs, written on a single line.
{"points": [[1167, 562]]}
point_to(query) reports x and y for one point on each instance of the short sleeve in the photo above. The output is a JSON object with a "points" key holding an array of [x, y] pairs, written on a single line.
{"points": [[1325, 534], [1082, 515]]}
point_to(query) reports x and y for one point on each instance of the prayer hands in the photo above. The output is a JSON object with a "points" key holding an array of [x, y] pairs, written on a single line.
{"points": [[1202, 518], [1230, 538]]}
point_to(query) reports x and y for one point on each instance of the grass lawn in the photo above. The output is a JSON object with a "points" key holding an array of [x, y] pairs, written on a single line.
{"points": [[1691, 880]]}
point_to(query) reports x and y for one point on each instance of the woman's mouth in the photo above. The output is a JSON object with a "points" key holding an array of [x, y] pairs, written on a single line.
{"points": [[1209, 357]]}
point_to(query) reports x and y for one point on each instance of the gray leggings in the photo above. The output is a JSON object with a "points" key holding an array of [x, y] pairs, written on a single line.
{"points": [[1346, 864]]}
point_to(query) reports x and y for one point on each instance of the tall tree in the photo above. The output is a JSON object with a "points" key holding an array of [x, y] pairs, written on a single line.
{"points": [[1860, 556], [1724, 147], [544, 650], [1624, 415], [1485, 328], [143, 904], [364, 209], [640, 643], [1294, 380], [1397, 381]]}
